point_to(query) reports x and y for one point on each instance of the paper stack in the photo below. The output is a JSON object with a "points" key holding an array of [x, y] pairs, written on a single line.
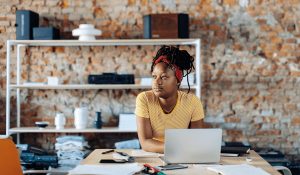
{"points": [[107, 169], [243, 169], [70, 151]]}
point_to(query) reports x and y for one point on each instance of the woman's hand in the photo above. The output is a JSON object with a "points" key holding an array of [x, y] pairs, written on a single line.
{"points": [[145, 136]]}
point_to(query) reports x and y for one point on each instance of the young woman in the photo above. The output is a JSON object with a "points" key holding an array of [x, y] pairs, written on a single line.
{"points": [[165, 106]]}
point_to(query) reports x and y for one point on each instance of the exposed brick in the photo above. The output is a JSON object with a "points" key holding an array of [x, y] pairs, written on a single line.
{"points": [[290, 107], [273, 132], [295, 73], [3, 18], [275, 40], [38, 3], [296, 121], [214, 27], [245, 63], [52, 3], [291, 40], [4, 23], [64, 4], [229, 2], [232, 119], [69, 10], [270, 119], [59, 49]]}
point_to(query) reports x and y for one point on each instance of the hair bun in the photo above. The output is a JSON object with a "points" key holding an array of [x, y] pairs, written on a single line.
{"points": [[181, 58]]}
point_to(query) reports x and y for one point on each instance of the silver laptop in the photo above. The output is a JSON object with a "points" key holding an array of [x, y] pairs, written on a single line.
{"points": [[192, 145]]}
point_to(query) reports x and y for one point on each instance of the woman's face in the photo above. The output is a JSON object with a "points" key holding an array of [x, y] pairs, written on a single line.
{"points": [[164, 82]]}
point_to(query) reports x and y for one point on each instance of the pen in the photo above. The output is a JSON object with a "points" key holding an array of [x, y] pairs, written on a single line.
{"points": [[122, 153], [108, 151]]}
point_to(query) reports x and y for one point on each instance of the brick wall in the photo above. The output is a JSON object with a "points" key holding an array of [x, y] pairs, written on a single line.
{"points": [[250, 61]]}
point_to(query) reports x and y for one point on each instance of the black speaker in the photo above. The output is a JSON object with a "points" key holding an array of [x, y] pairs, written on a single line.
{"points": [[166, 25], [45, 33], [111, 78], [25, 21]]}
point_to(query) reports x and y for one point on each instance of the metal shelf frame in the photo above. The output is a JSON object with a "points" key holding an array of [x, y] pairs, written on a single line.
{"points": [[70, 130], [89, 86], [68, 43]]}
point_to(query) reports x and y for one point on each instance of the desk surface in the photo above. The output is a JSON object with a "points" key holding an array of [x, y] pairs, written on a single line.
{"points": [[257, 161]]}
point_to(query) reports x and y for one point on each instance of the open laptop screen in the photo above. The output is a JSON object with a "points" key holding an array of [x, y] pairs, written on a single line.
{"points": [[193, 145]]}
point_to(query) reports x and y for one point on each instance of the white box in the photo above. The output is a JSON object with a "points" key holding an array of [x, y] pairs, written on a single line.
{"points": [[127, 122], [53, 81], [146, 81]]}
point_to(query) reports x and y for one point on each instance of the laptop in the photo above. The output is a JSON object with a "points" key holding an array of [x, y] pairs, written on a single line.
{"points": [[192, 145]]}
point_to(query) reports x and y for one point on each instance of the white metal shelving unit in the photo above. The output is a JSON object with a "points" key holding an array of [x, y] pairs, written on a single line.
{"points": [[90, 86], [68, 130], [120, 42]]}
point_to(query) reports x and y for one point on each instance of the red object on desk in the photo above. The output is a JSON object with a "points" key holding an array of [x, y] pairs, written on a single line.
{"points": [[151, 167]]}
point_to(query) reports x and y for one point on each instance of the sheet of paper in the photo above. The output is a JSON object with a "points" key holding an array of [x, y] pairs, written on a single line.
{"points": [[118, 156], [142, 153], [243, 169], [229, 155], [107, 169]]}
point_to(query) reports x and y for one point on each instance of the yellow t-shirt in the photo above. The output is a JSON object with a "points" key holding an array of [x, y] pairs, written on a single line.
{"points": [[188, 108]]}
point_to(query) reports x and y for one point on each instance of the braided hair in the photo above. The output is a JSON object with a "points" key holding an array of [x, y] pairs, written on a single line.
{"points": [[181, 58]]}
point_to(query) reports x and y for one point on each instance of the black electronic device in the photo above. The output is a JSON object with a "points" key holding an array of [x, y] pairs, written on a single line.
{"points": [[166, 26], [31, 160], [171, 167], [45, 33], [27, 157], [111, 78], [26, 20], [31, 149], [33, 157], [235, 150], [46, 160], [113, 161]]}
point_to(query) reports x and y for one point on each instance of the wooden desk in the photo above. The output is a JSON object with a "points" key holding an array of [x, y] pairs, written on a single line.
{"points": [[257, 161]]}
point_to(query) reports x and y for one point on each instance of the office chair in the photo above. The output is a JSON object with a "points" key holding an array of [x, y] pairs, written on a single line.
{"points": [[283, 169], [10, 160]]}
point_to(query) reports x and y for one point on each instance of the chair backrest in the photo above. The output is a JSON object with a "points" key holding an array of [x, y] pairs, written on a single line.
{"points": [[283, 169], [9, 158]]}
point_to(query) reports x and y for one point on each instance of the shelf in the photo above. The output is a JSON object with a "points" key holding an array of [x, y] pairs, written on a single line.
{"points": [[69, 130], [14, 47], [105, 42], [90, 86]]}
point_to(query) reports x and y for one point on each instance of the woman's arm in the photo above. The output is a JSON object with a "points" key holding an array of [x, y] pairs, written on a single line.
{"points": [[145, 136], [198, 124]]}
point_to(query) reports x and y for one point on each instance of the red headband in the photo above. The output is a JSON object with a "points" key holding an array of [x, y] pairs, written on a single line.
{"points": [[178, 72]]}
